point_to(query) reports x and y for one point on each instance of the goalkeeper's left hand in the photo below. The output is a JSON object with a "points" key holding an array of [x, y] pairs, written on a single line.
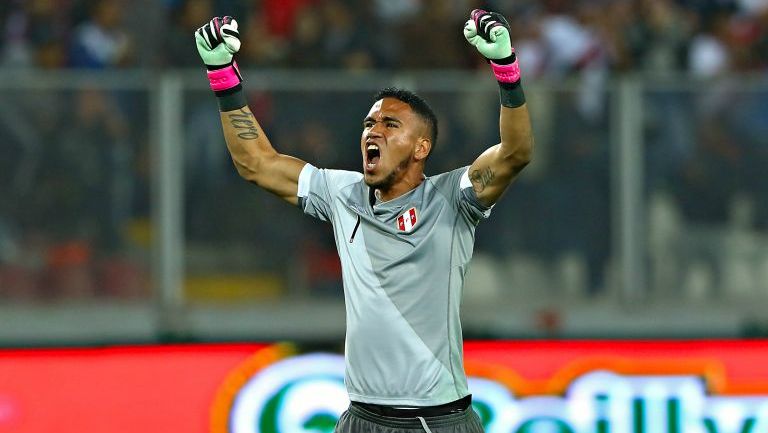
{"points": [[489, 33], [217, 42]]}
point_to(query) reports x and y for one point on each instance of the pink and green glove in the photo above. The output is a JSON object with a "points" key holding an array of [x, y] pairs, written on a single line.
{"points": [[489, 32], [217, 42]]}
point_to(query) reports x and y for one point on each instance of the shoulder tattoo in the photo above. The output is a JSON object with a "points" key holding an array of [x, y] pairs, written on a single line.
{"points": [[481, 178]]}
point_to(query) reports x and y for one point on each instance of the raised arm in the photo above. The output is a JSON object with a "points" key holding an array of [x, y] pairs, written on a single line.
{"points": [[495, 169], [252, 153]]}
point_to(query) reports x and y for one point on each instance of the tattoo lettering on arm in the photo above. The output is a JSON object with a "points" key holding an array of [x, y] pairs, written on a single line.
{"points": [[245, 122], [481, 178]]}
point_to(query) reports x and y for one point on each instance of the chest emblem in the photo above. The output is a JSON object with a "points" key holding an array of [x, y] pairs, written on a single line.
{"points": [[407, 221]]}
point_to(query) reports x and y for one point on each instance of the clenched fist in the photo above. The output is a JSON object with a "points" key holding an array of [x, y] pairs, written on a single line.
{"points": [[217, 43]]}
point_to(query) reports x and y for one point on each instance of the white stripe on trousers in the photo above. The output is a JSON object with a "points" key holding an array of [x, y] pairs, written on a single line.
{"points": [[424, 424]]}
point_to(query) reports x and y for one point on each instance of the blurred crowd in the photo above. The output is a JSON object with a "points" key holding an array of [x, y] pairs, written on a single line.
{"points": [[76, 172], [553, 37]]}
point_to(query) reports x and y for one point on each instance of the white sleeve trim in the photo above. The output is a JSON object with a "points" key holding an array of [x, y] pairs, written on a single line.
{"points": [[464, 181], [304, 180]]}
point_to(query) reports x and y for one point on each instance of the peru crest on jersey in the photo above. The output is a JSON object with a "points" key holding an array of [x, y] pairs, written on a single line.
{"points": [[407, 221]]}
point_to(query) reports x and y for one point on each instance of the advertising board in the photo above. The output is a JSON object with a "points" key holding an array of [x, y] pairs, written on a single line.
{"points": [[517, 387]]}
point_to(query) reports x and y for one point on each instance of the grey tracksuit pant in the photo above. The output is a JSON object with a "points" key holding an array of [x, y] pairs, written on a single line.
{"points": [[359, 420]]}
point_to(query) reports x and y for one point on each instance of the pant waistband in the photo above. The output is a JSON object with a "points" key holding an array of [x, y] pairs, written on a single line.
{"points": [[457, 406], [411, 422]]}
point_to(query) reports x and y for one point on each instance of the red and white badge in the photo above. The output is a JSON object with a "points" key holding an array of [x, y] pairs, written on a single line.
{"points": [[407, 221]]}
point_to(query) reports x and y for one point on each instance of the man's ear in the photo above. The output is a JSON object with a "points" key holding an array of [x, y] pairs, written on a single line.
{"points": [[423, 148]]}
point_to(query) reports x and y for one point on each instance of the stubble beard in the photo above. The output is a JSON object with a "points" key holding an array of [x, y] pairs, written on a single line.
{"points": [[386, 183]]}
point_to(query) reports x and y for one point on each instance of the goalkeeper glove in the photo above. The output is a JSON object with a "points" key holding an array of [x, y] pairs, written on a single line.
{"points": [[489, 33], [217, 42]]}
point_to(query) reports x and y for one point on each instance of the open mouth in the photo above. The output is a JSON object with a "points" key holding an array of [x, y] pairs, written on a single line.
{"points": [[372, 157]]}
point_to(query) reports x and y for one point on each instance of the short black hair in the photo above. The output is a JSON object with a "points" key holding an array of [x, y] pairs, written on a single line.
{"points": [[417, 104]]}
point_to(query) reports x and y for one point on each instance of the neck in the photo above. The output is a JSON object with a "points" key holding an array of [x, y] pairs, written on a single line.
{"points": [[406, 184]]}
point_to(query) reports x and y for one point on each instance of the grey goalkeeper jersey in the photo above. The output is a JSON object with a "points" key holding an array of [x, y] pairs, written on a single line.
{"points": [[403, 265]]}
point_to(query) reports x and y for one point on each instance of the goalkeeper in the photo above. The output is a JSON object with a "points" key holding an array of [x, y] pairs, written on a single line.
{"points": [[405, 240]]}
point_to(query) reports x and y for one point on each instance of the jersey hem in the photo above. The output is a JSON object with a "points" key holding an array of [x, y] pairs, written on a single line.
{"points": [[396, 401]]}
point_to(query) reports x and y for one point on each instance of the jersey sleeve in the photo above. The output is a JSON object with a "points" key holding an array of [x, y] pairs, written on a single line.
{"points": [[319, 188], [457, 188], [469, 203]]}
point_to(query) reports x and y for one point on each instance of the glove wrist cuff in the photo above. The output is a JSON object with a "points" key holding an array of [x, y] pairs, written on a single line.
{"points": [[224, 78], [506, 60], [506, 73], [231, 99], [511, 95]]}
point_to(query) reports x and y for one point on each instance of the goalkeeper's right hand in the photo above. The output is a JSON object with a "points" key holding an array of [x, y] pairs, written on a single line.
{"points": [[217, 42]]}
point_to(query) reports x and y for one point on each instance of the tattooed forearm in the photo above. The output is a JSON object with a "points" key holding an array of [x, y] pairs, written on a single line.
{"points": [[481, 178], [245, 122]]}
